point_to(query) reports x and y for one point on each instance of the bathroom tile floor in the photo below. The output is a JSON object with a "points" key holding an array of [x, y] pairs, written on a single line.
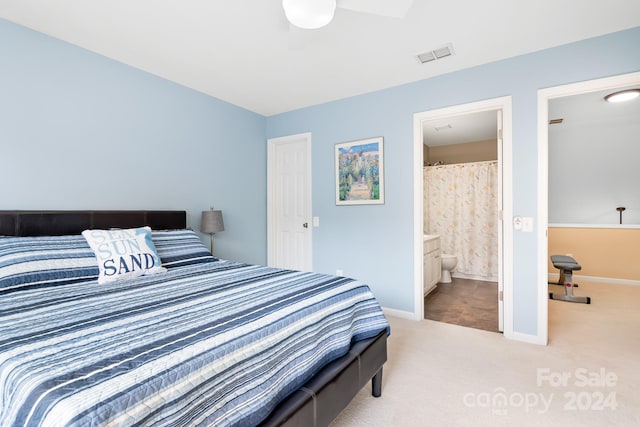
{"points": [[471, 303]]}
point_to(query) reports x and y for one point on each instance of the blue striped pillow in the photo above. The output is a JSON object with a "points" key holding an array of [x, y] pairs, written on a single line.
{"points": [[28, 262], [177, 248]]}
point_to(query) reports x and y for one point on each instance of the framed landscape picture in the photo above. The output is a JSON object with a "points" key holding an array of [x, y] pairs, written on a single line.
{"points": [[359, 172]]}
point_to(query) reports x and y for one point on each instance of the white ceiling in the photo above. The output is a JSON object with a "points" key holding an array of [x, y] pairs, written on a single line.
{"points": [[460, 129], [243, 52]]}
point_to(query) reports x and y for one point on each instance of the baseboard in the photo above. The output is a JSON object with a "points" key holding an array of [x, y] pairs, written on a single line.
{"points": [[527, 338], [409, 315], [474, 277], [431, 289], [553, 277]]}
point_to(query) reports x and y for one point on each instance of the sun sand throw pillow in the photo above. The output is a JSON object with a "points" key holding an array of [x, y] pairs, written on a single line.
{"points": [[124, 253]]}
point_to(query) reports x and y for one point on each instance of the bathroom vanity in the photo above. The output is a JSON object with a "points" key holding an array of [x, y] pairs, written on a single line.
{"points": [[432, 262]]}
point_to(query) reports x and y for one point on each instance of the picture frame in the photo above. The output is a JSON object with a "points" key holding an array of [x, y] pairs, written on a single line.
{"points": [[359, 172]]}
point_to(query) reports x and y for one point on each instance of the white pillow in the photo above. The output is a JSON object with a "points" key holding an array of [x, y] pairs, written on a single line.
{"points": [[124, 253]]}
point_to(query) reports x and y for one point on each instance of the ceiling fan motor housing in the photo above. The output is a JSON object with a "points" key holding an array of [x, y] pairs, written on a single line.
{"points": [[309, 14]]}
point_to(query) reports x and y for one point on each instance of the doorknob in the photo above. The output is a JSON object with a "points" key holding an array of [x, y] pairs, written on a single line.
{"points": [[305, 225]]}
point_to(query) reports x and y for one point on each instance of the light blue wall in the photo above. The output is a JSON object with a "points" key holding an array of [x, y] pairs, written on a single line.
{"points": [[374, 243], [80, 131]]}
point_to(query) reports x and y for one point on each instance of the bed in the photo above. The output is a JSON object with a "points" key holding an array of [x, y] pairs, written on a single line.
{"points": [[204, 341]]}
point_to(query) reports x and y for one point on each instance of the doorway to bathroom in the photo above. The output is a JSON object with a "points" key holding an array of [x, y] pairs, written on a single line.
{"points": [[464, 162]]}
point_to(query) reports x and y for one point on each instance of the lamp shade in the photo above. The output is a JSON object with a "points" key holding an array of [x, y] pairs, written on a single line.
{"points": [[211, 222], [309, 14]]}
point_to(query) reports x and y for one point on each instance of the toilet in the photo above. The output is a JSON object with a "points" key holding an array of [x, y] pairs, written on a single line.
{"points": [[449, 262]]}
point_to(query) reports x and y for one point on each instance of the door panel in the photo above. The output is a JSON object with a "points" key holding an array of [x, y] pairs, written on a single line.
{"points": [[289, 202]]}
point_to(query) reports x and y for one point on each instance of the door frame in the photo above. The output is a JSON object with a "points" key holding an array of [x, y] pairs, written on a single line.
{"points": [[505, 166], [272, 143], [544, 96]]}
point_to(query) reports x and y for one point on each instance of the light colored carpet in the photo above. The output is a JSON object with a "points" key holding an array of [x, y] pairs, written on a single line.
{"points": [[446, 375]]}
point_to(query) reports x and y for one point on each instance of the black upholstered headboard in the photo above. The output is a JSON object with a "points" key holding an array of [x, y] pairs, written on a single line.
{"points": [[58, 223]]}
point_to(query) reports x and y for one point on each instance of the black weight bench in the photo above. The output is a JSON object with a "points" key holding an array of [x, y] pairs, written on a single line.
{"points": [[567, 265]]}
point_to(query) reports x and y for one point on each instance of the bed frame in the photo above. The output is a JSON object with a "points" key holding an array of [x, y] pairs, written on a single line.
{"points": [[317, 403]]}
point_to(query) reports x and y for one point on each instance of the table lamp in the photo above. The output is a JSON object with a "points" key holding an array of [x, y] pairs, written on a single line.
{"points": [[211, 223]]}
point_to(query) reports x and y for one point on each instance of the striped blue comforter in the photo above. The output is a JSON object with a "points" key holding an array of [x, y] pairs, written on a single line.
{"points": [[217, 344]]}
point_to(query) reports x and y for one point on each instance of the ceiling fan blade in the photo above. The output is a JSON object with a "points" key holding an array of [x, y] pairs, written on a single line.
{"points": [[391, 8]]}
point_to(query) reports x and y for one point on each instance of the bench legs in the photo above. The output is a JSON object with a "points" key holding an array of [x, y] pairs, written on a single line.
{"points": [[566, 278]]}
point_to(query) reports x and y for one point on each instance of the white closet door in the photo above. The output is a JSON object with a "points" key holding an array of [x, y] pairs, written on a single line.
{"points": [[289, 202]]}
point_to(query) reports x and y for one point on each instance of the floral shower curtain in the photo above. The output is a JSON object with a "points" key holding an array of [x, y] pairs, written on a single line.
{"points": [[461, 205]]}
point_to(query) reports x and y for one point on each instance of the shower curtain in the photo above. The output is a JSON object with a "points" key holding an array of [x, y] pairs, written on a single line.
{"points": [[461, 205]]}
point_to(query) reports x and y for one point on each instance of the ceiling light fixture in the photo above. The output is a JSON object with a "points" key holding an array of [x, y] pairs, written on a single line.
{"points": [[309, 14], [623, 95]]}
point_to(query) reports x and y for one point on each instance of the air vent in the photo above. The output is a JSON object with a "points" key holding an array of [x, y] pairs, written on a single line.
{"points": [[442, 52], [427, 57], [434, 54], [555, 121]]}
